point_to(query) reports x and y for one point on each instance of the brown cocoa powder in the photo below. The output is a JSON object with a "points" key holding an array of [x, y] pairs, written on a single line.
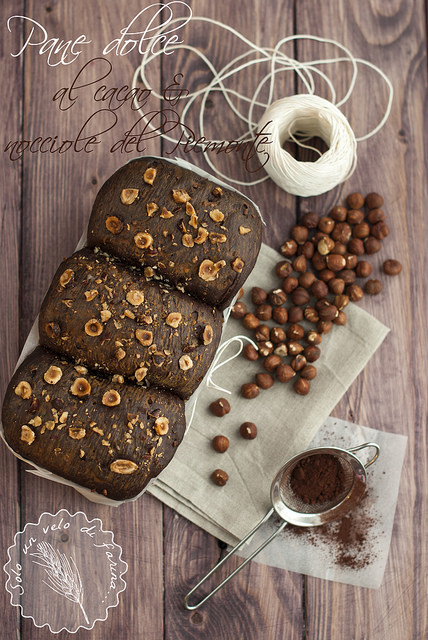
{"points": [[318, 478]]}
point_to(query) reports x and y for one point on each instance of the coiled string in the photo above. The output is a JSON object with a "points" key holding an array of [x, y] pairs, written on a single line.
{"points": [[307, 115]]}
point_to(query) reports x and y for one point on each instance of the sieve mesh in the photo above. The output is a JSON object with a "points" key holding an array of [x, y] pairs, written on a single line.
{"points": [[295, 503]]}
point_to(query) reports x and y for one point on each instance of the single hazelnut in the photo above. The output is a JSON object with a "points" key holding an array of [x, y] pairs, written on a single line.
{"points": [[325, 245], [295, 314], [219, 477], [340, 318], [161, 425], [149, 175], [258, 295], [295, 332], [262, 333], [53, 330], [342, 232], [306, 279], [80, 387], [363, 269], [299, 233], [90, 295], [277, 297], [27, 434], [207, 334], [237, 265], [250, 353], [375, 215], [123, 467], [248, 430], [111, 398], [281, 350], [93, 328], [338, 214], [373, 287], [277, 335], [298, 362], [336, 285], [356, 247], [319, 289], [265, 347], [361, 230], [371, 245], [279, 315], [354, 292], [218, 216], [335, 262], [347, 275], [326, 310], [249, 390], [202, 236], [294, 347], [271, 362], [180, 196], [318, 261], [52, 375], [299, 297], [135, 297], [284, 373], [165, 214], [220, 444], [140, 373], [350, 260], [299, 264], [392, 267], [312, 353], [23, 390], [143, 240], [355, 201], [220, 407], [187, 240], [324, 326], [310, 220], [209, 270], [339, 248], [66, 277], [144, 337], [250, 321], [128, 196], [282, 270], [355, 216], [173, 319], [308, 372], [311, 314], [379, 230], [288, 248], [239, 310], [326, 275], [312, 337], [264, 380], [374, 200], [119, 354], [185, 363], [289, 284], [341, 301], [326, 224], [263, 312], [302, 386], [307, 249], [114, 225]]}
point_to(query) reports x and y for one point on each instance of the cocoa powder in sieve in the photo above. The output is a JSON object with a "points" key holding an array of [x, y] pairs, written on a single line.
{"points": [[318, 478]]}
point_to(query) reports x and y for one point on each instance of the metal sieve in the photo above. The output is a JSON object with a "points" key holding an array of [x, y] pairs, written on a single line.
{"points": [[293, 510]]}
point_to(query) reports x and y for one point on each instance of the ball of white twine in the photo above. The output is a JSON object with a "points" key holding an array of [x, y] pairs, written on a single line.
{"points": [[309, 116]]}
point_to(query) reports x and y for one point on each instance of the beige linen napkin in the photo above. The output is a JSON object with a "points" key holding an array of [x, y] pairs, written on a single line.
{"points": [[286, 423]]}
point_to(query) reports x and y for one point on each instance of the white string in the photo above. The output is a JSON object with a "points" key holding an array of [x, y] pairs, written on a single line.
{"points": [[301, 178], [217, 365]]}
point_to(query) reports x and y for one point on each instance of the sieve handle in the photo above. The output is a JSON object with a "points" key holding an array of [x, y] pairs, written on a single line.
{"points": [[191, 607], [364, 446]]}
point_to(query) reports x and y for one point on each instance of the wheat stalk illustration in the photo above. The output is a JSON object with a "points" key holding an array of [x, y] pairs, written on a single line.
{"points": [[63, 576]]}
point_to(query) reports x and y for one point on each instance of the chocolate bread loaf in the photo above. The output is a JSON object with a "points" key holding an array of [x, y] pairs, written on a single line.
{"points": [[108, 316], [107, 436], [201, 237]]}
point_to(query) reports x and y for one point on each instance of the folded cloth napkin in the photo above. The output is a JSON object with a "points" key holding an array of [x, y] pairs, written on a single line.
{"points": [[286, 422]]}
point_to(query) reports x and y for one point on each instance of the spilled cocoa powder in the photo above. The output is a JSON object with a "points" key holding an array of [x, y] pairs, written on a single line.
{"points": [[349, 540], [317, 479]]}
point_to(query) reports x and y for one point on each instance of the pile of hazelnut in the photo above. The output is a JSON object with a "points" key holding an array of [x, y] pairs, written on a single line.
{"points": [[325, 267]]}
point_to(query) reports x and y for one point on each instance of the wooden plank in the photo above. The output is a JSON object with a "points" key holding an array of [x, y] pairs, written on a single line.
{"points": [[58, 195], [394, 164], [260, 602], [10, 229]]}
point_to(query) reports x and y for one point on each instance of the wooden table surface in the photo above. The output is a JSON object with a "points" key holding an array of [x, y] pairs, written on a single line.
{"points": [[46, 202]]}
